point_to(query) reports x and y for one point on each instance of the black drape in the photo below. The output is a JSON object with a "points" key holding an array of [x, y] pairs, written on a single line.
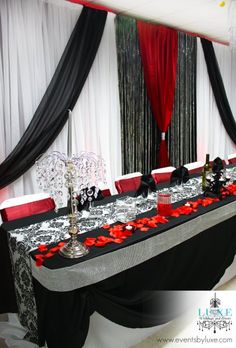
{"points": [[61, 95], [218, 89], [140, 136], [181, 134]]}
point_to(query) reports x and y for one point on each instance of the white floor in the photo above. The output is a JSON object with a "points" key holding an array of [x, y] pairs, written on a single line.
{"points": [[178, 328], [13, 333]]}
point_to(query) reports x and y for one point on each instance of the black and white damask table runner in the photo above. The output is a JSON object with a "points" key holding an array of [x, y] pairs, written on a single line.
{"points": [[58, 274]]}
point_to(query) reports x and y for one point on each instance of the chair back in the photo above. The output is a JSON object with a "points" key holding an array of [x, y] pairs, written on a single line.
{"points": [[106, 192], [194, 167], [232, 158], [128, 182], [19, 207], [223, 162], [162, 174]]}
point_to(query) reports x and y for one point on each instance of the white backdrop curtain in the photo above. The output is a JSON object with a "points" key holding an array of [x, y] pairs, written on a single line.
{"points": [[96, 115], [33, 36], [212, 137]]}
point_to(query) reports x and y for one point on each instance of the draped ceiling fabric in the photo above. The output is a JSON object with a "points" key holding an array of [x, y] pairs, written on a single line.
{"points": [[218, 89], [159, 49], [60, 96], [212, 137], [96, 115], [139, 132], [26, 68]]}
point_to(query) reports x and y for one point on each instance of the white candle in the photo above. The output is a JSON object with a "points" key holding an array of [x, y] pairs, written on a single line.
{"points": [[69, 139]]}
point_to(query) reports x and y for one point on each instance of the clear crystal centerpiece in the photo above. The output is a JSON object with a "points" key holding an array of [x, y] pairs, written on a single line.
{"points": [[73, 176], [76, 175]]}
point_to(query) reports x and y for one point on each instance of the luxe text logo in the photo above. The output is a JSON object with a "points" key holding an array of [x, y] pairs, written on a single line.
{"points": [[215, 317]]}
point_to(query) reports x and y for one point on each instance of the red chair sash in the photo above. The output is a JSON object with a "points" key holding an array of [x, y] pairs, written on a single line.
{"points": [[195, 170], [161, 177], [106, 192], [130, 184], [27, 209], [232, 160]]}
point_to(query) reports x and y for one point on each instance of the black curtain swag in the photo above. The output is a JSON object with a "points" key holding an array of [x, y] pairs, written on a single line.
{"points": [[218, 89], [61, 95]]}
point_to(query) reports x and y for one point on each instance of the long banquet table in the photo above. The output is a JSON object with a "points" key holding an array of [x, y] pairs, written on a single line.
{"points": [[118, 281]]}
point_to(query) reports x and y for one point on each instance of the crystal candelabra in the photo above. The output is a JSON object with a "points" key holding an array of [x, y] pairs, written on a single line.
{"points": [[216, 182], [56, 173]]}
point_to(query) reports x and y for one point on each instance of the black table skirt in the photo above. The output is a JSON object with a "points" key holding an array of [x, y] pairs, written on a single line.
{"points": [[128, 297]]}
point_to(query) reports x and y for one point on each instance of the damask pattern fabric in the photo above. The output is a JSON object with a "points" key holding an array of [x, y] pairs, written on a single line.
{"points": [[21, 242]]}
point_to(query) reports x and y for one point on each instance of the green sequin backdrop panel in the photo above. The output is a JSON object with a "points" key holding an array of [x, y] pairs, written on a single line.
{"points": [[139, 133]]}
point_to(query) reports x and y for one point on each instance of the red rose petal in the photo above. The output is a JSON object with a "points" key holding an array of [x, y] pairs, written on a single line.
{"points": [[144, 229], [161, 219], [54, 249], [89, 241], [106, 226], [104, 239], [42, 247], [175, 214], [151, 224], [39, 263], [118, 240], [48, 255], [99, 243], [39, 257]]}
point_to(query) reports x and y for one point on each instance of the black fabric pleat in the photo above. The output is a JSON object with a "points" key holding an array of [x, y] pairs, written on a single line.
{"points": [[181, 133], [137, 297], [61, 95], [218, 89], [140, 136]]}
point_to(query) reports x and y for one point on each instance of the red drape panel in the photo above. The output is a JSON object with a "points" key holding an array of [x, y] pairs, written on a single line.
{"points": [[159, 50]]}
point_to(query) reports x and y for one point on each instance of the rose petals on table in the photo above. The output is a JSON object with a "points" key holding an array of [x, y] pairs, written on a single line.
{"points": [[160, 219], [61, 244], [106, 226], [118, 233], [144, 229], [89, 241], [42, 247], [39, 262], [55, 249], [118, 240], [48, 255]]}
